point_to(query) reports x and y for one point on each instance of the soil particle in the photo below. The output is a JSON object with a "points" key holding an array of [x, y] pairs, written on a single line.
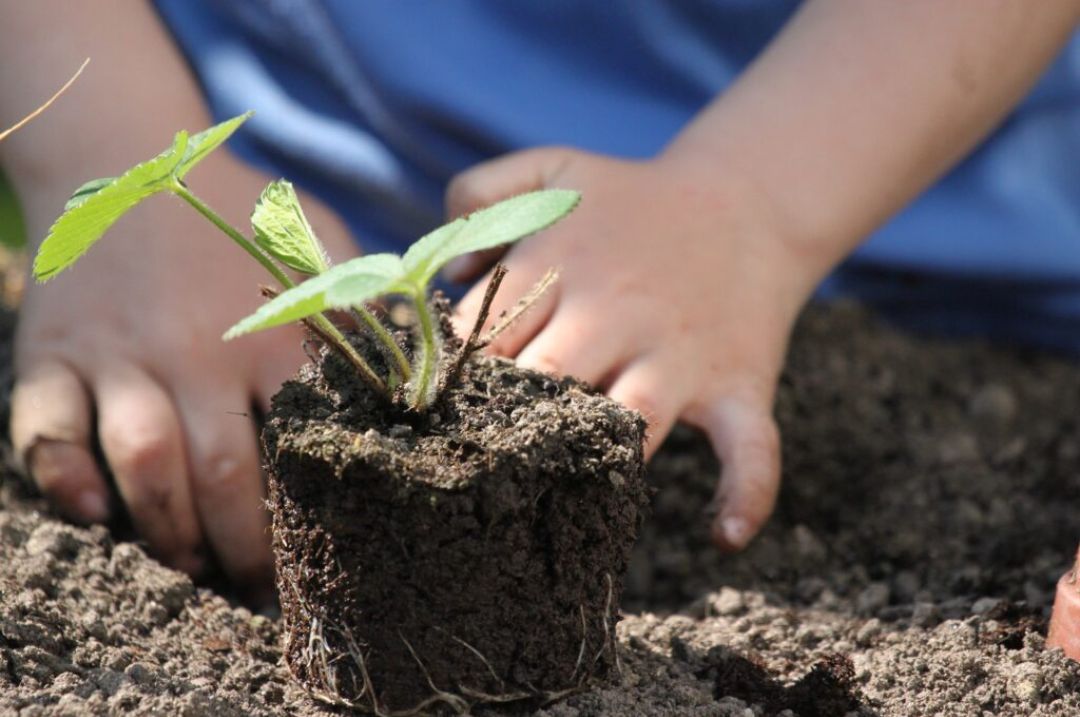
{"points": [[869, 416]]}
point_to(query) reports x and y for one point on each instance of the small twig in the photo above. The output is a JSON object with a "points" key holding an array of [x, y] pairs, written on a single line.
{"points": [[30, 117], [524, 304], [474, 344]]}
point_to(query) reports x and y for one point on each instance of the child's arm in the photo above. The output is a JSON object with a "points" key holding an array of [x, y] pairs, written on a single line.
{"points": [[681, 276], [131, 337]]}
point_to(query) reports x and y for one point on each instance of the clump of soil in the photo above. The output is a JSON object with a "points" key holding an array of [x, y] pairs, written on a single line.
{"points": [[473, 552], [928, 508]]}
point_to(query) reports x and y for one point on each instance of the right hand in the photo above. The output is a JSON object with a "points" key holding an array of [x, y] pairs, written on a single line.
{"points": [[124, 352]]}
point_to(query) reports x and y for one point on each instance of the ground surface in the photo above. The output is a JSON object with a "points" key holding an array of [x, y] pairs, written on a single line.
{"points": [[928, 508]]}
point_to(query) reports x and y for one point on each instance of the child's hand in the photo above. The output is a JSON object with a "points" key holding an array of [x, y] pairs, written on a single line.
{"points": [[126, 350], [676, 296]]}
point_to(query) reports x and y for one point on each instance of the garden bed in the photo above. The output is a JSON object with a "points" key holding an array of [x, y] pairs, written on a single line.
{"points": [[929, 505]]}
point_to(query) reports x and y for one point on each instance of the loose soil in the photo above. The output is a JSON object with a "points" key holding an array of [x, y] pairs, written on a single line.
{"points": [[470, 553], [928, 508]]}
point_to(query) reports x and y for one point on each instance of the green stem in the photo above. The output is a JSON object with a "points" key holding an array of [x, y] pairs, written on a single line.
{"points": [[428, 348], [332, 332], [258, 254], [377, 328]]}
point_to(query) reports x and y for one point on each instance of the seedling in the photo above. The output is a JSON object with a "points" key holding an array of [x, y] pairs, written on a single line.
{"points": [[283, 239]]}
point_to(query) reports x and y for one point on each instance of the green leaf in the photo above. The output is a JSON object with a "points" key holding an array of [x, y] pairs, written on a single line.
{"points": [[85, 191], [345, 285], [91, 216], [207, 141], [502, 223], [283, 231]]}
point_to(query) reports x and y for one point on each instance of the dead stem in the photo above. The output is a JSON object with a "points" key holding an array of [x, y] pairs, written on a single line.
{"points": [[524, 304], [473, 343], [33, 115]]}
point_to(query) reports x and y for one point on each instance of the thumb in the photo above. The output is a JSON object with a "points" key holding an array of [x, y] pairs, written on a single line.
{"points": [[747, 442], [489, 182]]}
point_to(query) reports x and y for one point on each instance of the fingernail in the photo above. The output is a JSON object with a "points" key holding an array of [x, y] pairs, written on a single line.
{"points": [[736, 532], [92, 507]]}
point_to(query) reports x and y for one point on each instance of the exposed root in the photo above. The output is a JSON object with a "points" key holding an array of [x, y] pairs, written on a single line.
{"points": [[324, 673], [606, 620], [523, 305], [456, 703], [479, 655], [584, 644]]}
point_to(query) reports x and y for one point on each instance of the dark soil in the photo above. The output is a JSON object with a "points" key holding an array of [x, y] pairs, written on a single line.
{"points": [[466, 554], [929, 505]]}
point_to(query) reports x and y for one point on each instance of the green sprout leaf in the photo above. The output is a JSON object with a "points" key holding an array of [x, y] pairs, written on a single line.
{"points": [[345, 285], [207, 141], [90, 215], [98, 204], [87, 190], [283, 231], [502, 223]]}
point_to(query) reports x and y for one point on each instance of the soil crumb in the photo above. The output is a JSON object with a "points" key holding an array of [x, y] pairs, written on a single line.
{"points": [[928, 508]]}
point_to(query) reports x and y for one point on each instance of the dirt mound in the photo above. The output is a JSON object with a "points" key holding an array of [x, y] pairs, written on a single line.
{"points": [[928, 508]]}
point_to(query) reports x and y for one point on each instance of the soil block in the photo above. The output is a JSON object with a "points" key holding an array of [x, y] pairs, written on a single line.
{"points": [[470, 553]]}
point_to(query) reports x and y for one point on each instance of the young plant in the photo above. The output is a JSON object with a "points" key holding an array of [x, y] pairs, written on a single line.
{"points": [[283, 239]]}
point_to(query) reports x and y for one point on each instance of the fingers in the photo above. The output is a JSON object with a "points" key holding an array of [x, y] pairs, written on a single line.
{"points": [[141, 438], [745, 437], [648, 388], [518, 282], [570, 343], [511, 174], [227, 481], [466, 268], [50, 432]]}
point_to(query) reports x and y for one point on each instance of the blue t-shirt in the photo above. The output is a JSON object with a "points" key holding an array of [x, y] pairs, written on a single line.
{"points": [[375, 105]]}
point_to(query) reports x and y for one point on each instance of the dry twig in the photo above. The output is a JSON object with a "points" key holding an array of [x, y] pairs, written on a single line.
{"points": [[33, 115]]}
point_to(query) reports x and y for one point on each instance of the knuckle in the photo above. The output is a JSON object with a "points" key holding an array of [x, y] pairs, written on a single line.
{"points": [[218, 470], [139, 451], [760, 453]]}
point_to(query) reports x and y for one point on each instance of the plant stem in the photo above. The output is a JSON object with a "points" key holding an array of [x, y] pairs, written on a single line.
{"points": [[425, 373], [377, 328], [326, 328], [256, 253]]}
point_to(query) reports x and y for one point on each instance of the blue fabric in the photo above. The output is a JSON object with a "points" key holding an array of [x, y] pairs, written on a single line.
{"points": [[374, 105]]}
